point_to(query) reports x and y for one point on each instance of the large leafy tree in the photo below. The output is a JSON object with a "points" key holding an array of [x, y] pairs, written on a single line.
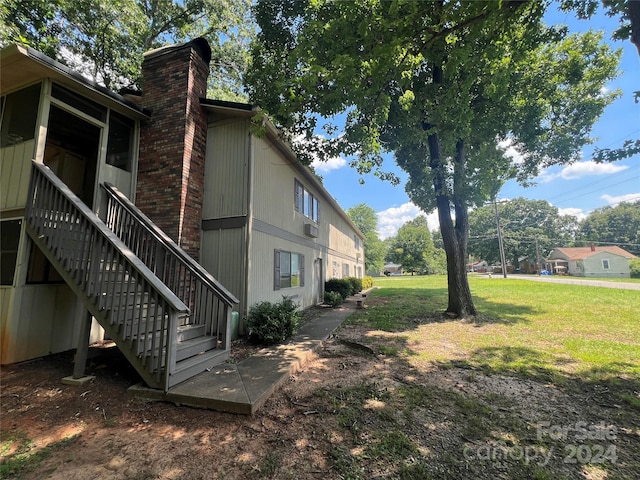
{"points": [[366, 220], [530, 228], [628, 14], [440, 84], [619, 225], [413, 247], [106, 38]]}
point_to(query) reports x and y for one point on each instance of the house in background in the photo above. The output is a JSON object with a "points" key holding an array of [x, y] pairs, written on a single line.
{"points": [[592, 261], [392, 269], [149, 217]]}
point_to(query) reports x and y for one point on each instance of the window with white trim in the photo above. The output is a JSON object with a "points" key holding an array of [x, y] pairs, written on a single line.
{"points": [[288, 269], [305, 202], [605, 264], [345, 270]]}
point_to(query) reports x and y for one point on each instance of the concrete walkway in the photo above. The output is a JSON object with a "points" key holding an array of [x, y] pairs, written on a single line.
{"points": [[243, 387], [574, 281]]}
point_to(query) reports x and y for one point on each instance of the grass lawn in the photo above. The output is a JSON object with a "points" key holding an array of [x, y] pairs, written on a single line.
{"points": [[531, 328], [508, 394]]}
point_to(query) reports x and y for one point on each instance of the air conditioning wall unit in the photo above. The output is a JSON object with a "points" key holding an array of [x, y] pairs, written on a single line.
{"points": [[311, 230]]}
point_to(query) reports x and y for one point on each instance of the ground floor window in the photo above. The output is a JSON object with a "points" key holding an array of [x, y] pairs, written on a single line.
{"points": [[345, 270], [288, 269], [10, 239]]}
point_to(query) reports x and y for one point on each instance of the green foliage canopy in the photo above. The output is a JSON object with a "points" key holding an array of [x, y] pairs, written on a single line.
{"points": [[442, 85], [366, 220], [105, 39], [526, 224], [413, 247], [614, 225]]}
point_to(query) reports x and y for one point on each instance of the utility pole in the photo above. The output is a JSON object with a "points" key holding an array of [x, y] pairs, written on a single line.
{"points": [[500, 244], [538, 263]]}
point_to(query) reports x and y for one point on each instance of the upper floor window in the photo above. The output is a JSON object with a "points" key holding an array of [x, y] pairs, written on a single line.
{"points": [[605, 264], [19, 115], [306, 203], [120, 143], [79, 102]]}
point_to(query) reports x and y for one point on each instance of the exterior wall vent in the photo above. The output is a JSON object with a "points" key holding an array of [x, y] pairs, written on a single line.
{"points": [[310, 230]]}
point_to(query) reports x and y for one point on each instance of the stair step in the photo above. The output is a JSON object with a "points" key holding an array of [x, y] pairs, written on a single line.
{"points": [[195, 346], [198, 364], [187, 332]]}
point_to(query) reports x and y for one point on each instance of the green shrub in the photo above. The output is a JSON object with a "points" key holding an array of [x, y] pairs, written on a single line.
{"points": [[340, 285], [634, 267], [356, 284], [367, 282], [333, 299], [271, 323]]}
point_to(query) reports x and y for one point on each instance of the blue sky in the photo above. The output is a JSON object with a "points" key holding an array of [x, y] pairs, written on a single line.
{"points": [[576, 189]]}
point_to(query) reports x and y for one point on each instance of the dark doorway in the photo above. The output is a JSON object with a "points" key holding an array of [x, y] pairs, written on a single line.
{"points": [[71, 152]]}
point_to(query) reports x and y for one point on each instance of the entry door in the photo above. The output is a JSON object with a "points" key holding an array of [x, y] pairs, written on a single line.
{"points": [[118, 166], [318, 280], [71, 152]]}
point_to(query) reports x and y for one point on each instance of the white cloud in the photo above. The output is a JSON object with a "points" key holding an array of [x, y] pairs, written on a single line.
{"points": [[510, 151], [321, 166], [334, 163], [583, 169], [614, 200], [391, 219], [574, 212]]}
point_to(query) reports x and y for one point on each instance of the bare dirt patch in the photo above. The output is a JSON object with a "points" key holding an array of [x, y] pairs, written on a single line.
{"points": [[350, 413]]}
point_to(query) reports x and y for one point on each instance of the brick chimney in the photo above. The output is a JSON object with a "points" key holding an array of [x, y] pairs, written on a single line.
{"points": [[593, 247], [172, 143]]}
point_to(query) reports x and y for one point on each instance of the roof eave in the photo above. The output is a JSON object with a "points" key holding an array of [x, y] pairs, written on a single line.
{"points": [[23, 65]]}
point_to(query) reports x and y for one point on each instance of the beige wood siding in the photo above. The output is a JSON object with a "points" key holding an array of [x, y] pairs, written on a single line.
{"points": [[6, 300], [226, 170], [15, 172], [235, 162], [273, 190], [223, 255], [261, 280], [45, 320]]}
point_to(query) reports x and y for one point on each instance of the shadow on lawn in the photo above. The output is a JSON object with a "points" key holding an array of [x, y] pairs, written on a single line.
{"points": [[478, 420], [407, 308]]}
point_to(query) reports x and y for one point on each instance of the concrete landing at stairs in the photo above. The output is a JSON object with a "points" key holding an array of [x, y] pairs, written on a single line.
{"points": [[243, 387]]}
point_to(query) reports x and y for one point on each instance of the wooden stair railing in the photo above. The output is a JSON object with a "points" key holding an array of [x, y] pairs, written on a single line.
{"points": [[148, 322], [210, 304]]}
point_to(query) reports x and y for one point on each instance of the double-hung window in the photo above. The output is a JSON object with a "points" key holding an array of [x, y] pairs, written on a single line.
{"points": [[605, 264], [305, 202], [288, 270]]}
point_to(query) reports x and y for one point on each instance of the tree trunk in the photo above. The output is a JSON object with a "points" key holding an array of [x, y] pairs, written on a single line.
{"points": [[633, 12], [454, 236]]}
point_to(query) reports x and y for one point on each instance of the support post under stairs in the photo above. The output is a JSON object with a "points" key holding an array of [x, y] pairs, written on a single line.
{"points": [[80, 359]]}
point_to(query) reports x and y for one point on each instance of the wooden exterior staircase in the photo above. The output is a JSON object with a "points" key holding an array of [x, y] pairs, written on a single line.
{"points": [[170, 318]]}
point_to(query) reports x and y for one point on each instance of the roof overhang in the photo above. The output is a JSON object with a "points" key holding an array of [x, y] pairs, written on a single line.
{"points": [[22, 66]]}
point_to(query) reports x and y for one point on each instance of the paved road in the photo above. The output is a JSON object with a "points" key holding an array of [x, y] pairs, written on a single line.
{"points": [[575, 281]]}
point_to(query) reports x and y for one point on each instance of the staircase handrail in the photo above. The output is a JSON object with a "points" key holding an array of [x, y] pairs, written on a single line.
{"points": [[166, 293], [198, 270], [55, 216]]}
